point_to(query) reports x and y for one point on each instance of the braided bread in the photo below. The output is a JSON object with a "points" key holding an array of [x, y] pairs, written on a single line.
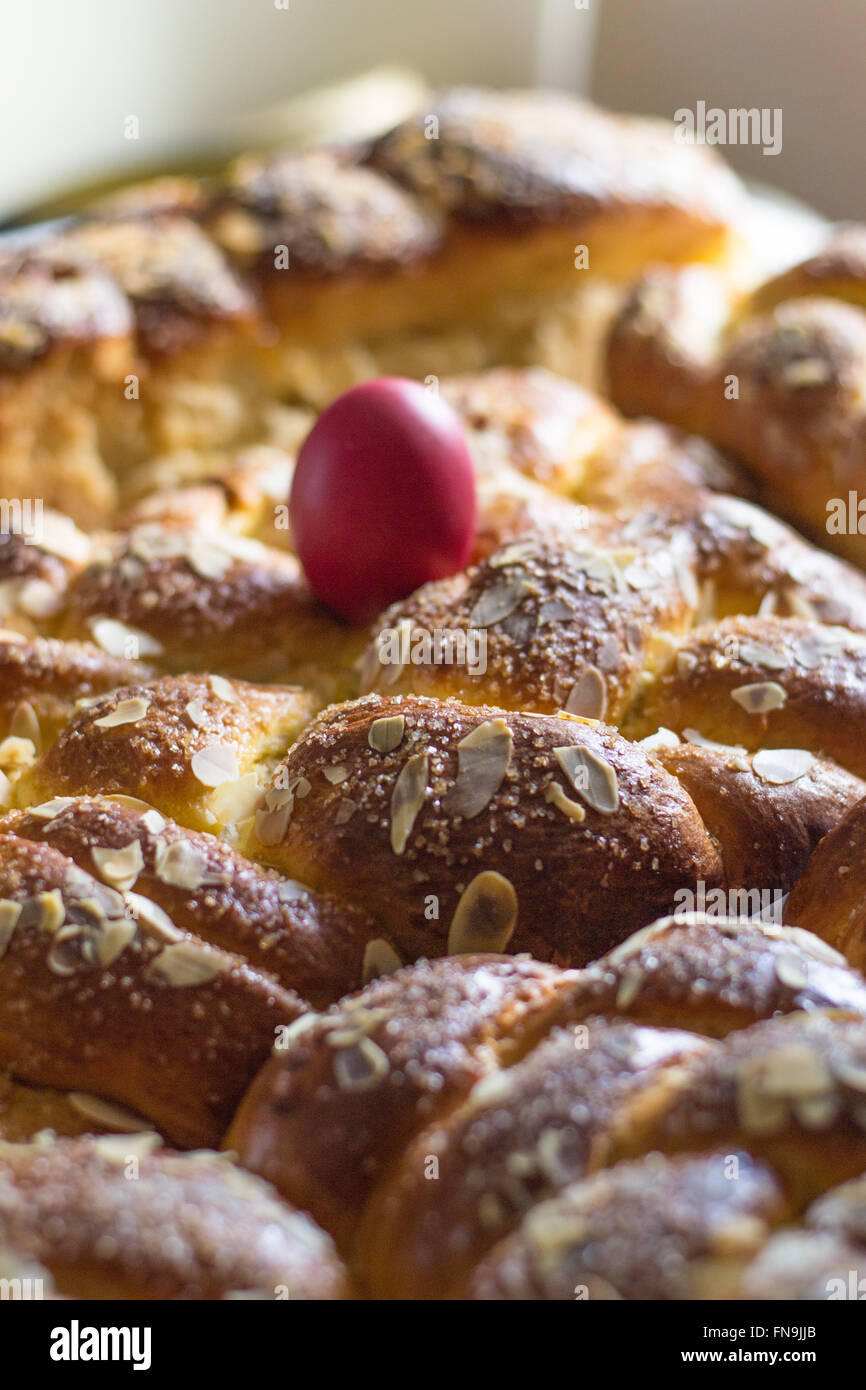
{"points": [[176, 321], [695, 1089], [775, 377], [368, 946]]}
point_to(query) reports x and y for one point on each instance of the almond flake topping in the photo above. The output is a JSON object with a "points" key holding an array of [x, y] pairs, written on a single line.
{"points": [[215, 764], [588, 695], [485, 916], [592, 777], [9, 913], [557, 797], [380, 958], [360, 1065], [386, 734], [336, 775], [49, 810], [781, 765], [188, 963], [61, 537], [50, 910], [407, 799], [181, 865], [105, 1112], [25, 724], [119, 640], [223, 689], [119, 867], [500, 600], [197, 711], [761, 697], [345, 811], [126, 712], [483, 758], [150, 914], [755, 654], [662, 738]]}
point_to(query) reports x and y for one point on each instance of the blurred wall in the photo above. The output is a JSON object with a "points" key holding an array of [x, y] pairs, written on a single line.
{"points": [[71, 71], [806, 56]]}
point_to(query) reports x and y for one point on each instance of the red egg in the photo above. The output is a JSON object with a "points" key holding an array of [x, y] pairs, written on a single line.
{"points": [[383, 496]]}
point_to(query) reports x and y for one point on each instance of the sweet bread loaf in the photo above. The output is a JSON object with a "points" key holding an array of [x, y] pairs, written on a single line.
{"points": [[698, 1088], [773, 377], [391, 953], [179, 321], [203, 868]]}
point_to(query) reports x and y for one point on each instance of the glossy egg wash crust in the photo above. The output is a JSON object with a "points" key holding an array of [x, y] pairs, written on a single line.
{"points": [[298, 913]]}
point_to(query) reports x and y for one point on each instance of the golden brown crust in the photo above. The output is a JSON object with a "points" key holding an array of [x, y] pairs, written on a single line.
{"points": [[176, 317], [564, 626], [543, 426], [349, 1087], [333, 216], [714, 974], [176, 280], [506, 159], [765, 812], [789, 1090], [125, 1007], [405, 835], [309, 942], [765, 683], [522, 1135], [829, 896], [187, 1225], [193, 746], [213, 601], [653, 1229], [48, 677], [776, 379], [443, 1113]]}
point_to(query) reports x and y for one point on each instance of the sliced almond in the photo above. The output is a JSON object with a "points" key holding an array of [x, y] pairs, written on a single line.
{"points": [[360, 1065], [126, 712], [407, 799], [781, 765], [500, 600], [761, 697], [107, 1114], [662, 738], [10, 911], [215, 764], [336, 775], [119, 867], [119, 640], [181, 865], [380, 958], [198, 713], [25, 724], [345, 811], [150, 914], [588, 695], [185, 964], [223, 689], [593, 777], [755, 654], [485, 917], [49, 810], [557, 797], [386, 734], [483, 758]]}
